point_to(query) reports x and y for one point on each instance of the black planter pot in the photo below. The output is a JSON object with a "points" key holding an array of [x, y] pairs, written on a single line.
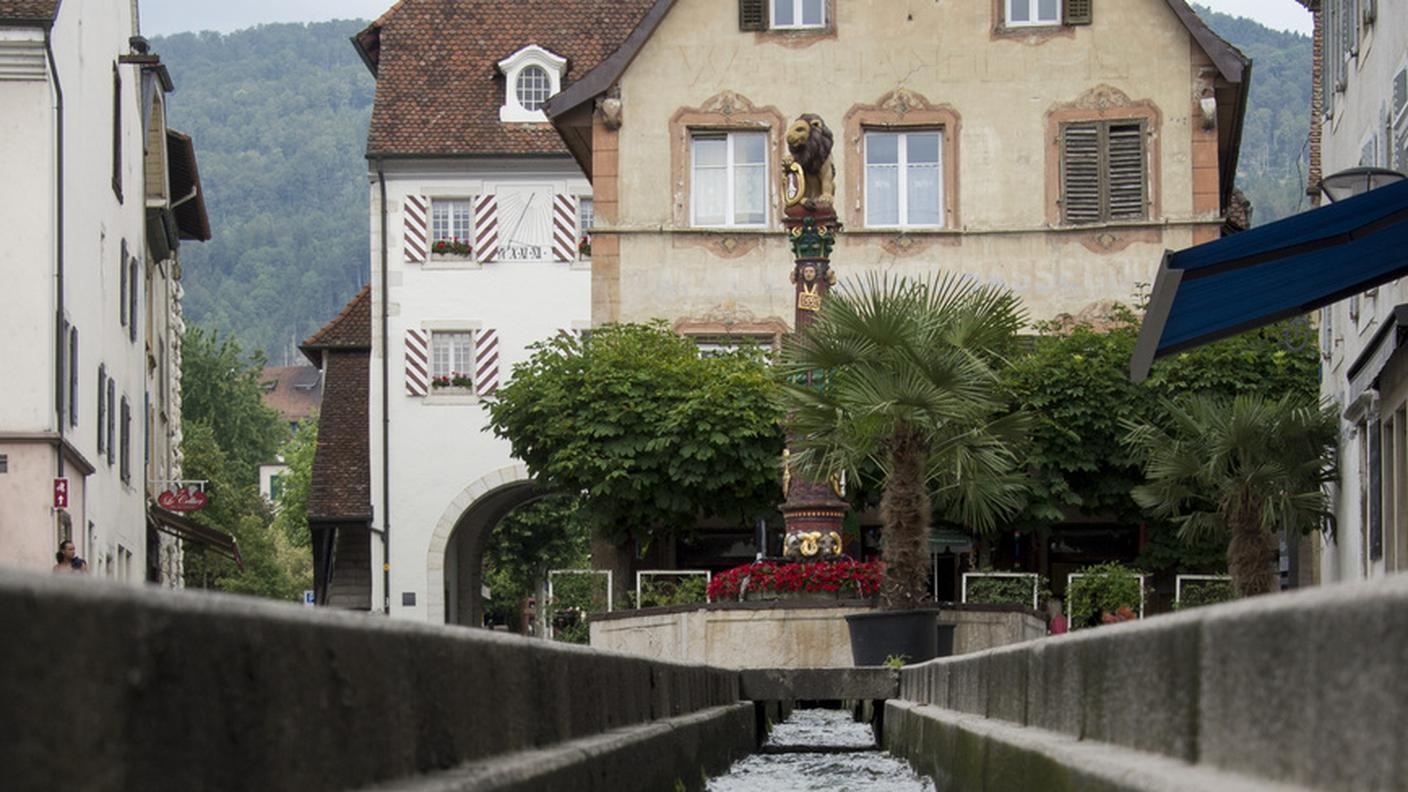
{"points": [[915, 635]]}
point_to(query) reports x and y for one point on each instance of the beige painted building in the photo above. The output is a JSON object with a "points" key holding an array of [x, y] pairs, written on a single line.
{"points": [[1053, 149]]}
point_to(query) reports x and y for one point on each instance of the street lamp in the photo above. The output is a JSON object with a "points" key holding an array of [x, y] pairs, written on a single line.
{"points": [[1356, 181]]}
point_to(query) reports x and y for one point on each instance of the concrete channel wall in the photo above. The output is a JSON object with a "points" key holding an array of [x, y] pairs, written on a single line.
{"points": [[105, 687], [1307, 690], [786, 634]]}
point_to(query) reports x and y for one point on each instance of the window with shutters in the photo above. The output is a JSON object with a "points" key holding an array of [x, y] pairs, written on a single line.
{"points": [[1103, 172], [452, 227], [904, 179], [452, 360], [798, 14], [73, 376], [753, 15], [1030, 13], [102, 408], [122, 288], [586, 219], [112, 420], [117, 133], [125, 454], [729, 184], [132, 298]]}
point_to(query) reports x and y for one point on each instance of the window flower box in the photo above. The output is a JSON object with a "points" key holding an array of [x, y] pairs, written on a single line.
{"points": [[453, 248], [454, 381], [584, 246]]}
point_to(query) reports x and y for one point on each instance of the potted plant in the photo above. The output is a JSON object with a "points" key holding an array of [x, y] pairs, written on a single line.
{"points": [[911, 391]]}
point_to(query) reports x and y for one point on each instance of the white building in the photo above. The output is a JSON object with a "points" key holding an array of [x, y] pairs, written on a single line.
{"points": [[477, 251], [98, 193], [1365, 123]]}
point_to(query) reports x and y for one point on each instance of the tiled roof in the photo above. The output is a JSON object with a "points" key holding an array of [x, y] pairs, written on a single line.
{"points": [[341, 481], [294, 391], [439, 89], [350, 329], [28, 10]]}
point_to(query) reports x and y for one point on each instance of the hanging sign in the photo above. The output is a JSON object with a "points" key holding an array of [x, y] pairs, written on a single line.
{"points": [[183, 499], [60, 493]]}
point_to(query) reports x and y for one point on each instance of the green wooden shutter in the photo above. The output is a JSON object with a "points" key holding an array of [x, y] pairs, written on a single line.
{"points": [[752, 14], [1079, 12], [1125, 172], [1080, 173]]}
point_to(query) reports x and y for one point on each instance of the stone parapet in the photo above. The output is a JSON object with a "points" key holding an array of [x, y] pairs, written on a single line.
{"points": [[1303, 689], [103, 686]]}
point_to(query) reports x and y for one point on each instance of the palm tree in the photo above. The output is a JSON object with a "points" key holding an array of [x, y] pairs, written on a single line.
{"points": [[1244, 468], [898, 376]]}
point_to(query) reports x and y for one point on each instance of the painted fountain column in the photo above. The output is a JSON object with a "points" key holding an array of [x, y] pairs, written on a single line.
{"points": [[812, 510]]}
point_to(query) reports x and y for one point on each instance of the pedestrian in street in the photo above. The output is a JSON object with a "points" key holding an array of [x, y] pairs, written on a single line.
{"points": [[67, 560], [1056, 620]]}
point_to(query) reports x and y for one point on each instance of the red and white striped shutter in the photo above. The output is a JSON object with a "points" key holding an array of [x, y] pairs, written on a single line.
{"points": [[417, 362], [486, 227], [486, 362], [416, 242], [564, 227]]}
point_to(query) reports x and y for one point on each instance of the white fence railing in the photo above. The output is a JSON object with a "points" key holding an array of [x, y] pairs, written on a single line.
{"points": [[1036, 583]]}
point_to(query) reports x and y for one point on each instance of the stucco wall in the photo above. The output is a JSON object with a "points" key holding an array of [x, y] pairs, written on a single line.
{"points": [[782, 637], [944, 55], [442, 457], [1358, 119]]}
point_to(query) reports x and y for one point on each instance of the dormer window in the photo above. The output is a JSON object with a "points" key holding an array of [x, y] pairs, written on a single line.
{"points": [[531, 75]]}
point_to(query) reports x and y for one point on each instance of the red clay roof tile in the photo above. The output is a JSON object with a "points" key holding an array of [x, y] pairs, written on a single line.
{"points": [[439, 89]]}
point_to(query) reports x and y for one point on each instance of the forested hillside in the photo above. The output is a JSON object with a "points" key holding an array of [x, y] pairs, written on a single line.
{"points": [[1274, 144], [279, 114]]}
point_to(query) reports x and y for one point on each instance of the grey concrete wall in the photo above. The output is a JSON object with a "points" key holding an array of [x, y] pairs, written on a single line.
{"points": [[784, 634], [104, 687], [1308, 689]]}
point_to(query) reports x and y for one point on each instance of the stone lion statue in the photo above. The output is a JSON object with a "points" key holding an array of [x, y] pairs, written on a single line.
{"points": [[809, 143]]}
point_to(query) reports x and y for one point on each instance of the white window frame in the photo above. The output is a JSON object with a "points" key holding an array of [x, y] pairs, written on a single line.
{"points": [[470, 360], [902, 164], [796, 14], [1007, 15], [586, 221], [513, 111], [730, 168], [468, 203]]}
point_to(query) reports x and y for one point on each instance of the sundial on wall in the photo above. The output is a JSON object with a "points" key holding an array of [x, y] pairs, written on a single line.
{"points": [[525, 223]]}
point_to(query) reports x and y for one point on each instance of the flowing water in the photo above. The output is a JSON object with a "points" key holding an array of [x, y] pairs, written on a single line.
{"points": [[843, 758]]}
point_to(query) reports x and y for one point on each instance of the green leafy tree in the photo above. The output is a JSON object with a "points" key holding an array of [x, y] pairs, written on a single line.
{"points": [[222, 387], [524, 546], [297, 453], [653, 435], [900, 377], [1074, 384], [1241, 469], [273, 566], [227, 432]]}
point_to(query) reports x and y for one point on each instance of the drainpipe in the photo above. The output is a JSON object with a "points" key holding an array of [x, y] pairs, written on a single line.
{"points": [[59, 340], [385, 408]]}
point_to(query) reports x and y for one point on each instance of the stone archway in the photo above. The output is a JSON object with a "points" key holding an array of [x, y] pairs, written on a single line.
{"points": [[454, 563]]}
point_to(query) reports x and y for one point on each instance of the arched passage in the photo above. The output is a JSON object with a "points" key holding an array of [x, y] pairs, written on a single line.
{"points": [[456, 557]]}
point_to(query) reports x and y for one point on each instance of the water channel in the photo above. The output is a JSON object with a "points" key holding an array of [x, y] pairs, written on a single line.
{"points": [[818, 750]]}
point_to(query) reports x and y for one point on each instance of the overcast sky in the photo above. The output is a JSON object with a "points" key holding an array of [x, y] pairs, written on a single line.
{"points": [[161, 17]]}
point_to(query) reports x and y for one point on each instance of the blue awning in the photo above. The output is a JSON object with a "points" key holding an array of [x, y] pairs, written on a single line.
{"points": [[1285, 269]]}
